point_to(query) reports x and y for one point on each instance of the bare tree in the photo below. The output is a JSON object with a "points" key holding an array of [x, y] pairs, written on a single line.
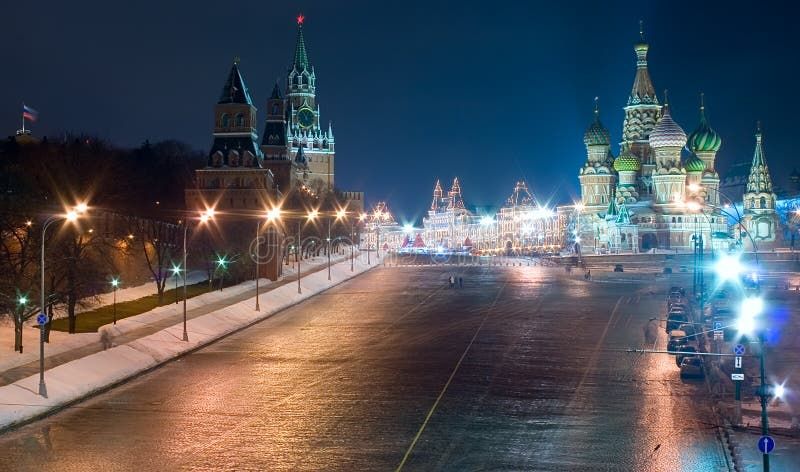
{"points": [[159, 241]]}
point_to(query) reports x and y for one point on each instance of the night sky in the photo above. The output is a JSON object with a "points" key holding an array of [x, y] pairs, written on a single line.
{"points": [[487, 91]]}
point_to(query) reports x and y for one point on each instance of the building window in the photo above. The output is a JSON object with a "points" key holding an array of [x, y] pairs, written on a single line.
{"points": [[239, 119], [680, 219], [226, 120], [276, 109], [763, 202], [673, 219]]}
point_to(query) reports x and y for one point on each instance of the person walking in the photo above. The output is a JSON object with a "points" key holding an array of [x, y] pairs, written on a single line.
{"points": [[460, 282], [105, 338]]}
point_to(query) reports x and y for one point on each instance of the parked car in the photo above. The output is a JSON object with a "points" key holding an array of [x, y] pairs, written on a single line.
{"points": [[692, 367], [683, 268], [667, 270], [618, 268], [678, 290], [677, 338], [690, 352], [674, 320], [689, 329]]}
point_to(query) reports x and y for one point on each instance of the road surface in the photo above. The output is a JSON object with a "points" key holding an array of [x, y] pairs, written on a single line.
{"points": [[521, 369]]}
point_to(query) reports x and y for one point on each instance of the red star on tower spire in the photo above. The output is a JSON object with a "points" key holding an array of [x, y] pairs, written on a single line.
{"points": [[300, 19]]}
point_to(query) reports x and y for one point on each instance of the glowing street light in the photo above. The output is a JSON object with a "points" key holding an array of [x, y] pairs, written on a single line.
{"points": [[204, 217], [22, 301], [43, 319], [728, 267], [115, 284], [176, 270]]}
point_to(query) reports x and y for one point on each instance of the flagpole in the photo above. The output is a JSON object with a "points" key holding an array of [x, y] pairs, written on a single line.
{"points": [[23, 117]]}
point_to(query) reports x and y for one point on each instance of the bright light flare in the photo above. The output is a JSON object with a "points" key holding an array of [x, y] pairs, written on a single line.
{"points": [[313, 214], [693, 187], [779, 391], [408, 228], [273, 214], [81, 208], [728, 267], [341, 214], [115, 282], [71, 215], [23, 300], [487, 221], [693, 206], [752, 306]]}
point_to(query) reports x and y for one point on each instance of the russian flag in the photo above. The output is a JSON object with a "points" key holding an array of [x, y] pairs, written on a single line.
{"points": [[29, 113]]}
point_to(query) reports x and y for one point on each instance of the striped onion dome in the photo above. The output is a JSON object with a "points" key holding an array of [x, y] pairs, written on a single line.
{"points": [[596, 134], [694, 164], [627, 161], [667, 133], [704, 138]]}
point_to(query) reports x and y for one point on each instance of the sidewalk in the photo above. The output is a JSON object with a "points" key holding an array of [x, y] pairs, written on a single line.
{"points": [[77, 366]]}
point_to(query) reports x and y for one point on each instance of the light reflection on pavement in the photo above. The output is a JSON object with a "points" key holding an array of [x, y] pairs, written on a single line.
{"points": [[345, 380]]}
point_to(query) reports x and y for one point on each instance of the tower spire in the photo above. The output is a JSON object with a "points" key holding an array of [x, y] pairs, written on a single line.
{"points": [[300, 54]]}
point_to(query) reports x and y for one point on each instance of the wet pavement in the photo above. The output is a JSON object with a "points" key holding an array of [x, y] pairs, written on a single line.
{"points": [[524, 368]]}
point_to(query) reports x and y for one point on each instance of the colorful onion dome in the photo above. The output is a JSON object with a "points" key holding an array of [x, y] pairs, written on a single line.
{"points": [[596, 134], [694, 164], [704, 138], [627, 161], [667, 133]]}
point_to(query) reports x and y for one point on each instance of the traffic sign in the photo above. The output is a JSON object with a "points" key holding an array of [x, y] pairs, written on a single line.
{"points": [[737, 376], [41, 319], [766, 444], [718, 336], [717, 325], [738, 350], [737, 362]]}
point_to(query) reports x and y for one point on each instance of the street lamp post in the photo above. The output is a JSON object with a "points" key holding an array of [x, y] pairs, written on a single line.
{"points": [[22, 301], [352, 250], [311, 215], [175, 271], [258, 275], [750, 309], [204, 217], [328, 248], [43, 319], [115, 284]]}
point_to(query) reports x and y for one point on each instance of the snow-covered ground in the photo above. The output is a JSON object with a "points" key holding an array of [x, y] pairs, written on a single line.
{"points": [[125, 294], [79, 378]]}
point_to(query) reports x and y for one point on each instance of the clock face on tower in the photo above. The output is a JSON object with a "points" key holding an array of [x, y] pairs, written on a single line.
{"points": [[305, 116]]}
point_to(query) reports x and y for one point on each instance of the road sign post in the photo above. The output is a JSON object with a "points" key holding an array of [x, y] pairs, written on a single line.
{"points": [[766, 444], [737, 377]]}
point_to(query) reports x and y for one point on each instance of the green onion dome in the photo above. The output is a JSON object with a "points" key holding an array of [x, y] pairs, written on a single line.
{"points": [[704, 138], [667, 133], [627, 161], [596, 134], [694, 164]]}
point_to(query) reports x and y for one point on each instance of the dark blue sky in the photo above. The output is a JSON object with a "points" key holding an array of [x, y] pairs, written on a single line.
{"points": [[487, 91]]}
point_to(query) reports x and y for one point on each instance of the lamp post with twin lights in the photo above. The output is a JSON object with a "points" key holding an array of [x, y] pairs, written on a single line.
{"points": [[339, 215], [312, 215], [43, 319], [750, 321], [272, 215], [204, 218]]}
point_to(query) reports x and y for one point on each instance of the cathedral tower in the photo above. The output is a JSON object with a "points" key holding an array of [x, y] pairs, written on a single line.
{"points": [[642, 110], [759, 198], [669, 178], [597, 174], [235, 133], [704, 142], [304, 123]]}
